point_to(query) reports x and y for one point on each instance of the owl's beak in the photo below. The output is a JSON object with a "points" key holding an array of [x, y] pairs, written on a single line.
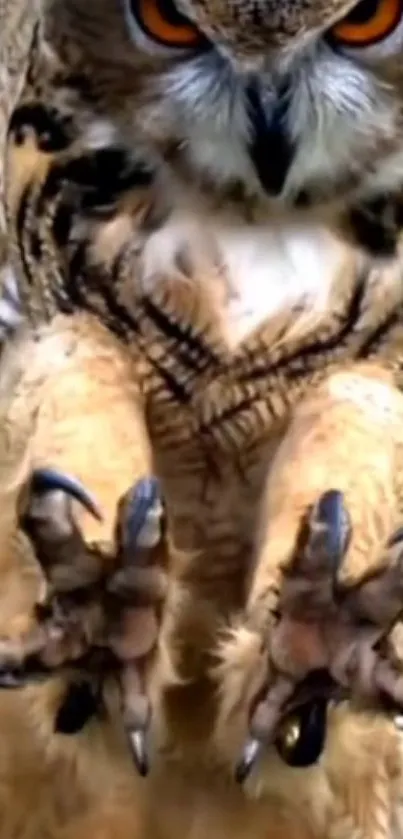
{"points": [[271, 149]]}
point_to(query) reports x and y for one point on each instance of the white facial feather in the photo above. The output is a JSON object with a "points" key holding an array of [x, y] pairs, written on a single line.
{"points": [[342, 119]]}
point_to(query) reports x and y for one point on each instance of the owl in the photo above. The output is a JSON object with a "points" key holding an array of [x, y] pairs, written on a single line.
{"points": [[201, 434]]}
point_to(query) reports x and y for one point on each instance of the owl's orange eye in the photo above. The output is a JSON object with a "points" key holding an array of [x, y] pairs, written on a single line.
{"points": [[370, 21], [162, 22]]}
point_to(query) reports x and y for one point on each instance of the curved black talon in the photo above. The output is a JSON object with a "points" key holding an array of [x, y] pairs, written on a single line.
{"points": [[143, 497], [330, 512], [300, 742], [251, 753], [46, 480], [79, 704], [302, 738], [139, 749]]}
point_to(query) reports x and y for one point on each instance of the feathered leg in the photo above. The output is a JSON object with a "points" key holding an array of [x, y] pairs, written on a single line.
{"points": [[87, 500], [327, 586]]}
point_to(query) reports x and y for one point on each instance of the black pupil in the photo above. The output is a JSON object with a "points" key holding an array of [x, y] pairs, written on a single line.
{"points": [[364, 12]]}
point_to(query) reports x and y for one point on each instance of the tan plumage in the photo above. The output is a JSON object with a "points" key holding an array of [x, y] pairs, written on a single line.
{"points": [[133, 361]]}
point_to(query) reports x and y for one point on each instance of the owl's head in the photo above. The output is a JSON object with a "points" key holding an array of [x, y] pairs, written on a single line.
{"points": [[296, 101]]}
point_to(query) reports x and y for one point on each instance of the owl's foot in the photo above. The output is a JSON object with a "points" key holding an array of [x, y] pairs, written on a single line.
{"points": [[95, 616], [325, 641]]}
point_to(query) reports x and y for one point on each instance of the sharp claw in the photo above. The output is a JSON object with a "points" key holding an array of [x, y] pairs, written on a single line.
{"points": [[50, 480], [138, 744], [251, 754], [331, 512], [78, 706], [144, 497]]}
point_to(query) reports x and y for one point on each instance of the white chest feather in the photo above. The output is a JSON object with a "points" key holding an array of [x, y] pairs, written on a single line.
{"points": [[269, 269], [265, 268]]}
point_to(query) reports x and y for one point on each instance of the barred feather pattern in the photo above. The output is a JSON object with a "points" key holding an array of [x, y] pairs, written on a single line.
{"points": [[124, 362]]}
